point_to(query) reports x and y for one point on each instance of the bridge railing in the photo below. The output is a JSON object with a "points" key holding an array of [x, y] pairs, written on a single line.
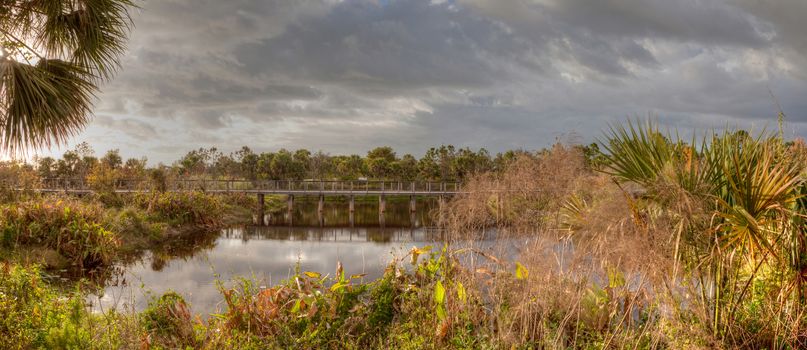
{"points": [[303, 186]]}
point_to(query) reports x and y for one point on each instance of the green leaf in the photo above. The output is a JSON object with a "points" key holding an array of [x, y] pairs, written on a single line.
{"points": [[441, 312], [297, 305], [338, 285], [615, 278], [439, 293], [461, 292], [416, 252], [521, 271], [313, 274]]}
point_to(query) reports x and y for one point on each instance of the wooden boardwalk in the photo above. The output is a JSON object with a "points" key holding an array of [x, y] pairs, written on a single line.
{"points": [[271, 187], [289, 188]]}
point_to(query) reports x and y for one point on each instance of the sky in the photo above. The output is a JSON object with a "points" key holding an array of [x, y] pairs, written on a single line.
{"points": [[346, 76]]}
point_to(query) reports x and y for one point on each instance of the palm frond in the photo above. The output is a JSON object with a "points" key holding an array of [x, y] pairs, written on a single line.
{"points": [[92, 32], [637, 153], [61, 50], [42, 104]]}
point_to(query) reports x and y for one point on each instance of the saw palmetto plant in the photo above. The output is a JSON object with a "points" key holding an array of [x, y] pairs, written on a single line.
{"points": [[54, 53], [752, 189]]}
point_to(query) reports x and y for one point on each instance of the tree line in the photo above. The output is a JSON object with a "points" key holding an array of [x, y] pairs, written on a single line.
{"points": [[443, 163]]}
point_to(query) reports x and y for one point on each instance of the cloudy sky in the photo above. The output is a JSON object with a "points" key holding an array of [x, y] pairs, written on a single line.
{"points": [[346, 76]]}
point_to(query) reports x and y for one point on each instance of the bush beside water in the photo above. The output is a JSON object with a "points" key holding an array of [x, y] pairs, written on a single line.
{"points": [[178, 208], [88, 234], [71, 227]]}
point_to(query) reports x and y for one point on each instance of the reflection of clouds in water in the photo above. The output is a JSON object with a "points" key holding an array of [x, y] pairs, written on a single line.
{"points": [[268, 260]]}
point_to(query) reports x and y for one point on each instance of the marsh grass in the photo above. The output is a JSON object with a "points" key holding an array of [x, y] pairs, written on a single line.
{"points": [[85, 234], [525, 195], [193, 207], [68, 226]]}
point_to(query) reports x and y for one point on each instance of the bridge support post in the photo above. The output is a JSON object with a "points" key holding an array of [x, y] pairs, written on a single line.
{"points": [[321, 210], [290, 206], [412, 203], [261, 206], [321, 204], [351, 208], [352, 219], [382, 209]]}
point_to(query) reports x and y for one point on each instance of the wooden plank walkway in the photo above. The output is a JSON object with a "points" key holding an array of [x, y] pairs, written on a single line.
{"points": [[279, 187]]}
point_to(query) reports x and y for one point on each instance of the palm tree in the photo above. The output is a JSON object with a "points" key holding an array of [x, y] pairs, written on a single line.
{"points": [[53, 55]]}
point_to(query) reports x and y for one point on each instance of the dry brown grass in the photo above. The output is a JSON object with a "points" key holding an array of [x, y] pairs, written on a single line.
{"points": [[520, 198], [601, 268]]}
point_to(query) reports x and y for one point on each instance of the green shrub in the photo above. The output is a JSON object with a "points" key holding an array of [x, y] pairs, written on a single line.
{"points": [[70, 227], [133, 221], [33, 315], [196, 208], [168, 319]]}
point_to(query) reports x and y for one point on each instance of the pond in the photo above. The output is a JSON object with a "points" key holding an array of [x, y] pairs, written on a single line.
{"points": [[364, 244]]}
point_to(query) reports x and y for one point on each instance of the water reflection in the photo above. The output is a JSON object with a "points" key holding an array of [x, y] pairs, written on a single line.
{"points": [[269, 254], [334, 234], [364, 242], [336, 213]]}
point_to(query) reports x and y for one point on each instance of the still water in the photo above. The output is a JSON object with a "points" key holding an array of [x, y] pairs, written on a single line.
{"points": [[365, 243]]}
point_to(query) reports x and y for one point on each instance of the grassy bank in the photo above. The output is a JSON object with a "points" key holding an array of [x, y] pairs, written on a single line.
{"points": [[85, 233]]}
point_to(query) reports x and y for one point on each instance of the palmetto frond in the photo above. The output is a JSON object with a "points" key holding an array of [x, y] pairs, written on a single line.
{"points": [[92, 32], [57, 52], [755, 191], [637, 153], [44, 103], [761, 192]]}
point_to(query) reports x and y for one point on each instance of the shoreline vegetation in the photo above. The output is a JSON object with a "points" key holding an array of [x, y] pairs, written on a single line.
{"points": [[654, 243], [64, 232]]}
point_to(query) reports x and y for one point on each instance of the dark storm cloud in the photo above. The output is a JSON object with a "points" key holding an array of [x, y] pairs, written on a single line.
{"points": [[344, 76], [703, 22], [405, 45], [135, 128]]}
